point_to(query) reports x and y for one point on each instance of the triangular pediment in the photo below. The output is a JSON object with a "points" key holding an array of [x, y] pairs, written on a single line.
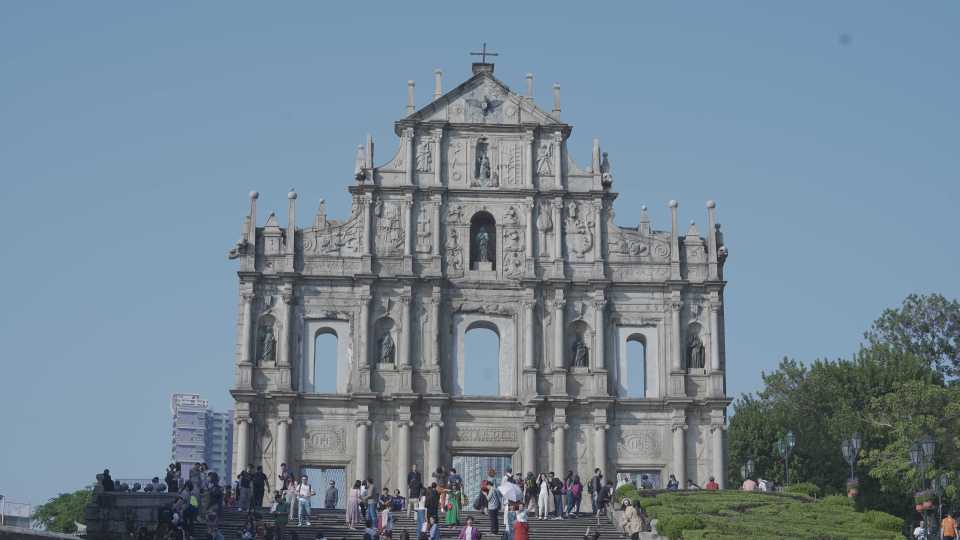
{"points": [[482, 99]]}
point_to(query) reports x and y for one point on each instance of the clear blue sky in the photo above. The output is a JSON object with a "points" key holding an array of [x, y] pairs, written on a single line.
{"points": [[130, 134]]}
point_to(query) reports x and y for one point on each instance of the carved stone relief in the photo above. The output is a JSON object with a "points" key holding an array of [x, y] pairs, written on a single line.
{"points": [[643, 443], [512, 254], [325, 441], [389, 228], [332, 238], [545, 160], [424, 155], [455, 157], [454, 252], [424, 231], [579, 229]]}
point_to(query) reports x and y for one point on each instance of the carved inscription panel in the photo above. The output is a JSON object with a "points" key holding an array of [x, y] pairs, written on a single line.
{"points": [[325, 441]]}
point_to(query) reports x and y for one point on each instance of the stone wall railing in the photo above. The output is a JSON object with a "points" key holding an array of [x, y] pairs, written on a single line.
{"points": [[119, 515]]}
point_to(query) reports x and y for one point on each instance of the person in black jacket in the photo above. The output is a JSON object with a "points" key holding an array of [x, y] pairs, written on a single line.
{"points": [[556, 489], [414, 486], [106, 481], [432, 502]]}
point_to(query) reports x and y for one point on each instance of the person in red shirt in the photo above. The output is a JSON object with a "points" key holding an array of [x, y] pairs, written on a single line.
{"points": [[712, 485], [521, 528]]}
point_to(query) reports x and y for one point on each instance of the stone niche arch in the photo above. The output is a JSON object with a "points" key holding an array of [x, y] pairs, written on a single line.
{"points": [[345, 360], [483, 221], [694, 347], [385, 326], [503, 326], [578, 329], [266, 352], [653, 374]]}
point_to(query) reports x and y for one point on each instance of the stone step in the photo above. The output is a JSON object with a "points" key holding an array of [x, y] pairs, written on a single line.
{"points": [[332, 524]]}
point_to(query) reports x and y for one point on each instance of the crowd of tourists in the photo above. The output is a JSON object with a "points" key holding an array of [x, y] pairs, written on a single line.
{"points": [[510, 501]]}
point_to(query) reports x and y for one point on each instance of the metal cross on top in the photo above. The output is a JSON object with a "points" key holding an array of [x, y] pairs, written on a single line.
{"points": [[483, 54]]}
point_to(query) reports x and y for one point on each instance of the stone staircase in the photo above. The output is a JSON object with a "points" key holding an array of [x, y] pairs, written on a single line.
{"points": [[333, 526]]}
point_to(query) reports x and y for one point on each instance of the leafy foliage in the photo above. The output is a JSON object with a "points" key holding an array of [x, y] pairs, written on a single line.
{"points": [[60, 513], [927, 326], [903, 383], [737, 514]]}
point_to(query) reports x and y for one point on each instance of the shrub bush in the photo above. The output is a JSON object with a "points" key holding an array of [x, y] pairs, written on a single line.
{"points": [[883, 520], [804, 488], [673, 526], [837, 500], [626, 491]]}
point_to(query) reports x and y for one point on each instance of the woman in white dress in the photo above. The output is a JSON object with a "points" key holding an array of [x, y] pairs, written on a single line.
{"points": [[543, 497]]}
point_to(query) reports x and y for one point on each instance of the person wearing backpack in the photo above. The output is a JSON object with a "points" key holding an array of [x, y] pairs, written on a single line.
{"points": [[494, 503]]}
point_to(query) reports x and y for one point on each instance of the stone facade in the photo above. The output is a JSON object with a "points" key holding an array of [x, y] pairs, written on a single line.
{"points": [[481, 219]]}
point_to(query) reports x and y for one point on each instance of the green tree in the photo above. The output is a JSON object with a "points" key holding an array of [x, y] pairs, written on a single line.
{"points": [[927, 326], [61, 513]]}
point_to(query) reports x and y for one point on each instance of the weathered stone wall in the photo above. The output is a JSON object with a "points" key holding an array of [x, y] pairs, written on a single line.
{"points": [[113, 516]]}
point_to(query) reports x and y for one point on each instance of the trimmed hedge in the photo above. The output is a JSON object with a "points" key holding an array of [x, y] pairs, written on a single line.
{"points": [[721, 515], [808, 489]]}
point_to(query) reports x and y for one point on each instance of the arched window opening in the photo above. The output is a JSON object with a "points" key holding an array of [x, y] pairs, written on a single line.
{"points": [[481, 362], [483, 242], [325, 362], [636, 367]]}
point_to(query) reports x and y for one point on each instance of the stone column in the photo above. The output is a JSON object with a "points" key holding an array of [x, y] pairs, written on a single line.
{"points": [[283, 343], [435, 210], [600, 447], [600, 327], [715, 337], [528, 314], [679, 452], [529, 230], [410, 227], [598, 230], [719, 463], [367, 228], [557, 229], [283, 436], [558, 159], [674, 242], [243, 443], [558, 322], [437, 157], [528, 170], [363, 427], [364, 327], [435, 328], [559, 447], [403, 354], [433, 429], [530, 447], [411, 151], [676, 363], [245, 338], [403, 459]]}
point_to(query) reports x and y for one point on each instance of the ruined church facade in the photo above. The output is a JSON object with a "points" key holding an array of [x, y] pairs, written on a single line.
{"points": [[481, 220]]}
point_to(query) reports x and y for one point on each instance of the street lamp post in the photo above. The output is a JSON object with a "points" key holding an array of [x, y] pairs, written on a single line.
{"points": [[785, 447], [851, 449], [921, 457]]}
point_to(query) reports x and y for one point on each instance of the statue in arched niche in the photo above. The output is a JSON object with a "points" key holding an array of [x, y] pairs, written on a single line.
{"points": [[387, 349], [483, 245], [581, 355], [695, 352], [268, 345]]}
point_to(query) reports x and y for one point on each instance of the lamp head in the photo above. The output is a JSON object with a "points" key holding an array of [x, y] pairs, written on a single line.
{"points": [[791, 439], [915, 454], [929, 446], [857, 441]]}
